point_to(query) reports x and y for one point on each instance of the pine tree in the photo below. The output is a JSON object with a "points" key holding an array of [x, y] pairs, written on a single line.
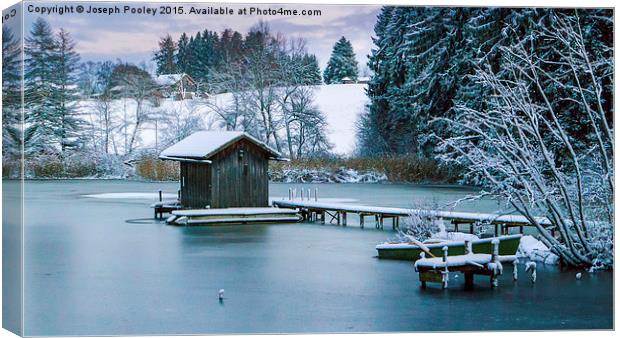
{"points": [[165, 57], [231, 46], [11, 94], [67, 123], [40, 90], [312, 69], [342, 63], [182, 57]]}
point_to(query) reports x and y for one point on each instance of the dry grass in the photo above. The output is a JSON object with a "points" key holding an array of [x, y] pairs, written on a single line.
{"points": [[157, 170]]}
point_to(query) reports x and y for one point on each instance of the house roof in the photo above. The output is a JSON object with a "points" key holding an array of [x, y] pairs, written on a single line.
{"points": [[202, 145], [169, 79]]}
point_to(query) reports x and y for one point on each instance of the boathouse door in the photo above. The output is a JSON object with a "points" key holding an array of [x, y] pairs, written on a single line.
{"points": [[195, 185], [240, 176]]}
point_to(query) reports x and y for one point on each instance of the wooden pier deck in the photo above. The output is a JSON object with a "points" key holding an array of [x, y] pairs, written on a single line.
{"points": [[232, 215], [319, 211]]}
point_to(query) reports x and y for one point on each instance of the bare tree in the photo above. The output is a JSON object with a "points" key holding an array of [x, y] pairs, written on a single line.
{"points": [[305, 125], [180, 122], [521, 147], [138, 87], [234, 111], [104, 116]]}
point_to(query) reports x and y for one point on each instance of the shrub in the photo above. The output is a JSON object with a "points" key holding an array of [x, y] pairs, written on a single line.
{"points": [[152, 168]]}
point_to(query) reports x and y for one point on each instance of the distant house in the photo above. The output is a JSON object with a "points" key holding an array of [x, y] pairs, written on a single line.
{"points": [[363, 79], [176, 86], [222, 169], [348, 80]]}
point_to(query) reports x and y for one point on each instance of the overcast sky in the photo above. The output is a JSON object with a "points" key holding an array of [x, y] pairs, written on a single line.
{"points": [[134, 37]]}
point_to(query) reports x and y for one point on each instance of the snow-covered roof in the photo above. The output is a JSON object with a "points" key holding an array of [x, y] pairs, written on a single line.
{"points": [[204, 144], [169, 79]]}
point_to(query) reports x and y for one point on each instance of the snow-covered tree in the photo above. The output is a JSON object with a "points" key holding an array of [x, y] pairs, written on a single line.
{"points": [[11, 95], [342, 63], [311, 68], [522, 145], [39, 83]]}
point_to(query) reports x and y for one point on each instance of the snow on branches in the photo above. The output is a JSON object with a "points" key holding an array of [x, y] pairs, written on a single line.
{"points": [[542, 140]]}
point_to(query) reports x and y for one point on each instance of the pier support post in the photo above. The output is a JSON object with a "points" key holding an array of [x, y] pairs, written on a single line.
{"points": [[361, 221], [344, 218], [445, 274], [469, 280]]}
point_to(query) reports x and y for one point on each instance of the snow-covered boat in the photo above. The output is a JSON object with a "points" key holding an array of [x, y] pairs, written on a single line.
{"points": [[508, 245]]}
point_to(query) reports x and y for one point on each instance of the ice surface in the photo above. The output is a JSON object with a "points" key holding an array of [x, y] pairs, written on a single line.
{"points": [[131, 195]]}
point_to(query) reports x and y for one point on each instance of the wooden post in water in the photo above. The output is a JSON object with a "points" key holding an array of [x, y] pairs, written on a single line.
{"points": [[316, 194], [445, 275], [160, 197], [308, 194], [302, 193], [515, 271], [496, 263]]}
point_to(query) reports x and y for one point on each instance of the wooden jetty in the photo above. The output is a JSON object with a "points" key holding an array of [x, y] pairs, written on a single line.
{"points": [[232, 216], [163, 207], [337, 212], [437, 269]]}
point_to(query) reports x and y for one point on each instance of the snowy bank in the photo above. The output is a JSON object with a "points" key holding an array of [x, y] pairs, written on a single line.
{"points": [[340, 175], [532, 249]]}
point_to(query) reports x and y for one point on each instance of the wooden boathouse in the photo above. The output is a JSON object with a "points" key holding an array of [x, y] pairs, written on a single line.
{"points": [[222, 169]]}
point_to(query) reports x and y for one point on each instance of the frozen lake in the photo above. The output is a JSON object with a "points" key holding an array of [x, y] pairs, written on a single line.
{"points": [[99, 266]]}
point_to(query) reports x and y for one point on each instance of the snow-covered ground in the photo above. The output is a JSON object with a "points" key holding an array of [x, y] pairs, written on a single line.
{"points": [[341, 104]]}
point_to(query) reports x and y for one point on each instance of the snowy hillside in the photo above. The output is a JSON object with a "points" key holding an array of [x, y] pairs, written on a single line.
{"points": [[341, 104]]}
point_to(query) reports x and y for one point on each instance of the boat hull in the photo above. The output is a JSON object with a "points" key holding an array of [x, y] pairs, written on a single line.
{"points": [[508, 245]]}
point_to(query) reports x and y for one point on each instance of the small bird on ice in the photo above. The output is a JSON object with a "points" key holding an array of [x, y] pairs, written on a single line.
{"points": [[578, 275], [221, 294]]}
